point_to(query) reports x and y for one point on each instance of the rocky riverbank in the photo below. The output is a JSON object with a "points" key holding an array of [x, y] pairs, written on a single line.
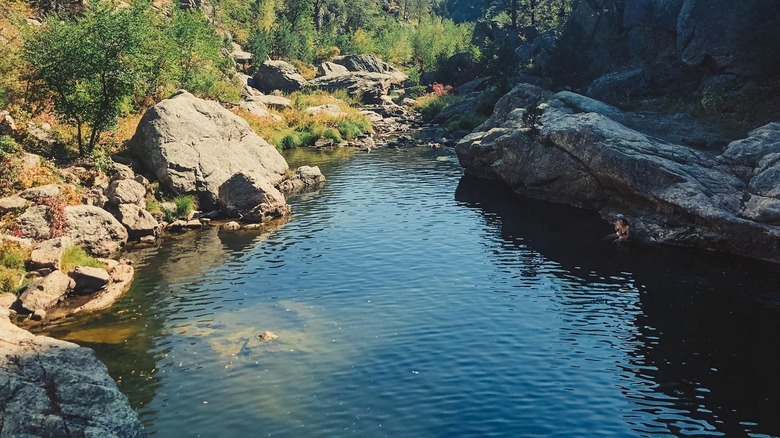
{"points": [[52, 388], [571, 149]]}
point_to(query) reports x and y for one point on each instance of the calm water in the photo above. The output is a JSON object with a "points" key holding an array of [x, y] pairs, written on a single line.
{"points": [[412, 302]]}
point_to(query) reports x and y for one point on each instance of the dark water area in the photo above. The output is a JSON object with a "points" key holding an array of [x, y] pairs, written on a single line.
{"points": [[412, 301]]}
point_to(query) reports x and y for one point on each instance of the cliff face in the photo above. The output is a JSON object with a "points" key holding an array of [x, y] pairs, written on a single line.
{"points": [[703, 38]]}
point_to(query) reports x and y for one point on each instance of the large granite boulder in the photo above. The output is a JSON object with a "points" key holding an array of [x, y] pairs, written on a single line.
{"points": [[95, 230], [672, 193], [193, 146], [723, 33], [53, 388], [277, 75]]}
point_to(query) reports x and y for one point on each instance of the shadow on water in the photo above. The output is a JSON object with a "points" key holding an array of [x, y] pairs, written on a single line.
{"points": [[704, 330]]}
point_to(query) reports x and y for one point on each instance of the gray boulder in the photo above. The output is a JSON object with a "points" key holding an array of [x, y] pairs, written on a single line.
{"points": [[256, 108], [305, 178], [34, 223], [331, 69], [138, 222], [371, 64], [95, 230], [126, 191], [40, 192], [46, 292], [279, 103], [671, 193], [364, 87], [619, 86], [193, 146], [329, 109], [53, 388], [277, 75], [253, 199], [88, 280], [48, 253], [12, 204]]}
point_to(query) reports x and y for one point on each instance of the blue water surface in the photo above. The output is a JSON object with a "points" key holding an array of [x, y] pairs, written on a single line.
{"points": [[411, 301]]}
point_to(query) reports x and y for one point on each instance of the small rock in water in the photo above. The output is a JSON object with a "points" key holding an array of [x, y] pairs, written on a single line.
{"points": [[232, 226], [268, 336]]}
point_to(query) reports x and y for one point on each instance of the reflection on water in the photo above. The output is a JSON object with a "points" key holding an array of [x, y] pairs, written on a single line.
{"points": [[404, 309]]}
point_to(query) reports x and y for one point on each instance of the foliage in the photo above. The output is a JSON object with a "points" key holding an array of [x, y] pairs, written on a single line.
{"points": [[532, 117], [185, 205], [58, 222], [195, 51], [8, 146], [13, 259], [76, 256], [465, 122], [432, 104], [90, 64], [543, 14], [13, 256]]}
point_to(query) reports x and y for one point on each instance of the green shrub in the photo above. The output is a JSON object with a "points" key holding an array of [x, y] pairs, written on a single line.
{"points": [[8, 146], [9, 280], [351, 128], [185, 205], [12, 256], [289, 141], [76, 256], [169, 215], [431, 105]]}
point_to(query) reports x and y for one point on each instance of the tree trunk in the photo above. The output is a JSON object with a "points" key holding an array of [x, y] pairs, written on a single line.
{"points": [[513, 13], [80, 138]]}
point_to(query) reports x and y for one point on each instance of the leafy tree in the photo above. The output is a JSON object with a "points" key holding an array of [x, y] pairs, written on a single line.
{"points": [[196, 45], [90, 64]]}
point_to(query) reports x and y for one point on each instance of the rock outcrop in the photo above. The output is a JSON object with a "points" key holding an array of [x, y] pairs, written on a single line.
{"points": [[371, 64], [305, 178], [52, 388], [365, 87], [252, 199], [578, 154], [194, 146]]}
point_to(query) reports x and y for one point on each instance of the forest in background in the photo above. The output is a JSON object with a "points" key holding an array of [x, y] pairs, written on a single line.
{"points": [[93, 67]]}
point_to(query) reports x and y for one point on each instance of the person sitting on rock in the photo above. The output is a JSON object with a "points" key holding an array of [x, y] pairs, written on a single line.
{"points": [[621, 228]]}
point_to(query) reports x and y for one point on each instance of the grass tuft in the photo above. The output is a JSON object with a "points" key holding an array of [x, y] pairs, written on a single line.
{"points": [[76, 256]]}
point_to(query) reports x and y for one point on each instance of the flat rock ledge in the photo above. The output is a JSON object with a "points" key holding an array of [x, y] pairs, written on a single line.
{"points": [[579, 153], [52, 388]]}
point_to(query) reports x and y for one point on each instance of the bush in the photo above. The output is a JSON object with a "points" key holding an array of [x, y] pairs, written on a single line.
{"points": [[185, 205], [76, 256], [12, 256], [351, 128], [8, 146], [431, 105], [9, 280]]}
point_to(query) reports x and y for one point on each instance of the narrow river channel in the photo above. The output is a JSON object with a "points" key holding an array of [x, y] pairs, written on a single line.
{"points": [[411, 301]]}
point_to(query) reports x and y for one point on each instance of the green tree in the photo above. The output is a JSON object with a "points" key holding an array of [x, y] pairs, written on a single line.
{"points": [[196, 46], [89, 64]]}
